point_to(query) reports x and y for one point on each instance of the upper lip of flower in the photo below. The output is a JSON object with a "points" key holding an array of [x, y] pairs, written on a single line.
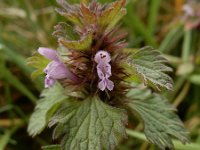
{"points": [[48, 53]]}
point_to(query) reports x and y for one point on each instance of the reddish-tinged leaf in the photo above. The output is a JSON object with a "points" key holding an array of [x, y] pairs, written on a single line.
{"points": [[111, 12], [88, 17], [83, 44]]}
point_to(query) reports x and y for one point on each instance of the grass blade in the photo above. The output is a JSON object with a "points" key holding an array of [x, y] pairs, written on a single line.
{"points": [[153, 13], [6, 138], [133, 21], [171, 39], [9, 77]]}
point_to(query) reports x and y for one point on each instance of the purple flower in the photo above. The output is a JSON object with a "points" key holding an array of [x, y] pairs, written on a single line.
{"points": [[191, 16], [102, 58], [188, 10], [55, 69]]}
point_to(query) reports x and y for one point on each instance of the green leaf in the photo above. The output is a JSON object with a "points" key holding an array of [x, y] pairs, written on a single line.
{"points": [[39, 62], [70, 16], [65, 30], [116, 19], [160, 121], [52, 147], [83, 44], [148, 66], [51, 100], [69, 12], [89, 125]]}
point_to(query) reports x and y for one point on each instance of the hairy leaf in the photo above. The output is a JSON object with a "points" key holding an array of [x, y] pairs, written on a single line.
{"points": [[160, 121], [116, 19], [89, 125], [148, 66], [70, 16], [69, 11], [39, 62], [88, 17], [64, 30], [83, 44], [51, 100]]}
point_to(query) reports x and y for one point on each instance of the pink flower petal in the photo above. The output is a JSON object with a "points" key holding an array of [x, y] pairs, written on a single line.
{"points": [[57, 70], [104, 70], [102, 85], [48, 53], [110, 85], [49, 82], [188, 10], [100, 73], [106, 83]]}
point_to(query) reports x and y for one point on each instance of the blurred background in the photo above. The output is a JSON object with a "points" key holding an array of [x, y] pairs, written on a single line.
{"points": [[171, 26]]}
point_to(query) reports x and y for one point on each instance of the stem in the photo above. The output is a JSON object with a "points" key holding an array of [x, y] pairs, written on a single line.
{"points": [[6, 123], [178, 84], [186, 45], [177, 144], [182, 94]]}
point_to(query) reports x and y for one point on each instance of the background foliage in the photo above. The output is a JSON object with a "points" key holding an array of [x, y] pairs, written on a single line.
{"points": [[25, 25]]}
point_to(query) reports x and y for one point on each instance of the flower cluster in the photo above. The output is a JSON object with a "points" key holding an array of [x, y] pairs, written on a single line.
{"points": [[94, 62]]}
